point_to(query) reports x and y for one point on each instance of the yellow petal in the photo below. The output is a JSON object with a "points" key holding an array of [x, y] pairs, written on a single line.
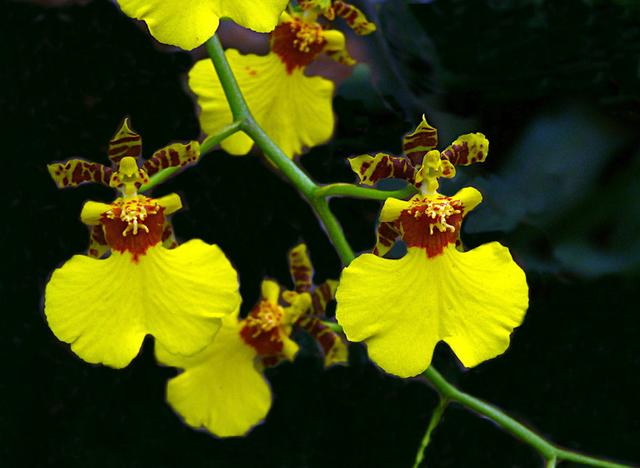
{"points": [[270, 291], [392, 208], [220, 388], [259, 15], [92, 212], [105, 307], [293, 109], [470, 198], [182, 23], [335, 40], [402, 308], [300, 304], [189, 23], [171, 203], [289, 348]]}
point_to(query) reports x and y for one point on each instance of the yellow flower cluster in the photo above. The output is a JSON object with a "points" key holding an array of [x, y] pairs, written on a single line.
{"points": [[137, 281], [222, 388], [134, 284]]}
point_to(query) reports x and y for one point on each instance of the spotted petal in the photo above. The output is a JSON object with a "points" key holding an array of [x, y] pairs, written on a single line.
{"points": [[220, 388], [371, 169], [105, 307], [293, 109], [174, 155], [419, 142], [300, 268], [402, 308], [189, 23], [467, 149], [74, 172], [125, 143], [355, 18]]}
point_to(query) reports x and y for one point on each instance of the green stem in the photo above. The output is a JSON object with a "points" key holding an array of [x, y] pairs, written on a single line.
{"points": [[433, 423], [568, 455], [237, 104], [317, 198], [273, 152], [333, 229], [241, 113], [333, 326], [207, 145], [353, 191], [214, 140], [518, 430]]}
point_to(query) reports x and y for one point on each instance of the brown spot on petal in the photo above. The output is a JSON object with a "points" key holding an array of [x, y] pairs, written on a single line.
{"points": [[133, 225], [432, 224], [262, 329], [297, 43]]}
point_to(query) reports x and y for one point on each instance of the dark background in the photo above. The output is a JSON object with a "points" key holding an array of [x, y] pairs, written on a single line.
{"points": [[554, 85]]}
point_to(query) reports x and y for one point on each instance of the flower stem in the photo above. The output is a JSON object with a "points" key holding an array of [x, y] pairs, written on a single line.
{"points": [[237, 104], [242, 114], [433, 423], [317, 197], [353, 191], [207, 145], [549, 451], [333, 326], [214, 140], [333, 229]]}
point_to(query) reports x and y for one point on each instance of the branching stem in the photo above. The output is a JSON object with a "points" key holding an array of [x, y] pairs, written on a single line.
{"points": [[549, 451], [317, 196]]}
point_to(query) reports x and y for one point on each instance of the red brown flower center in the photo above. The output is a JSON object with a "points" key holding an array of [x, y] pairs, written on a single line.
{"points": [[297, 43], [432, 224], [133, 225], [262, 328]]}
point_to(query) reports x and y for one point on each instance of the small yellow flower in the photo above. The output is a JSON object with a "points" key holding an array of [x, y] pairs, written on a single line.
{"points": [[189, 23], [223, 388], [294, 109], [105, 307], [402, 308]]}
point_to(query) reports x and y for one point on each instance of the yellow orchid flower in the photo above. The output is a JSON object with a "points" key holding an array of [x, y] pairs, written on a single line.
{"points": [[105, 307], [188, 24], [402, 308], [294, 109], [126, 142], [222, 388]]}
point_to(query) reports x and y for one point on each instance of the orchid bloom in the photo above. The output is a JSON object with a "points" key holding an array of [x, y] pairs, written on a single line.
{"points": [[223, 387], [401, 308], [104, 307]]}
